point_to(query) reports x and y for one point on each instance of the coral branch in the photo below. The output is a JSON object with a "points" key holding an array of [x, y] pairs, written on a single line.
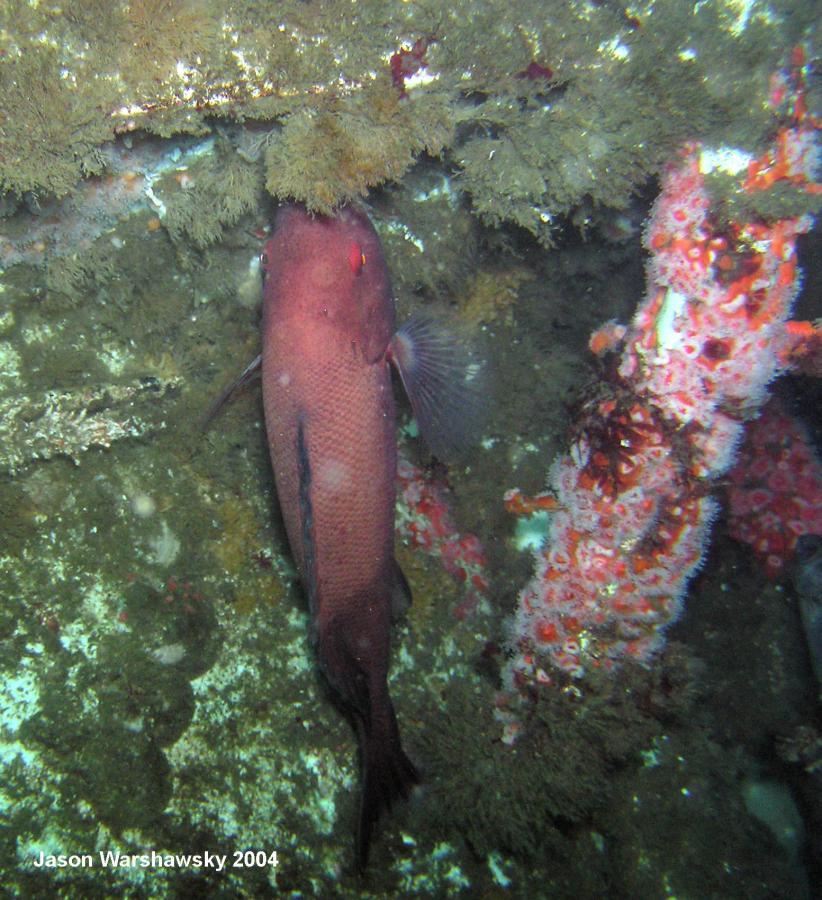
{"points": [[634, 510]]}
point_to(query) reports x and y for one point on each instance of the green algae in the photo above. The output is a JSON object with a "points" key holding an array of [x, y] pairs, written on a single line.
{"points": [[780, 201], [50, 127], [618, 94], [224, 187], [331, 156], [523, 799]]}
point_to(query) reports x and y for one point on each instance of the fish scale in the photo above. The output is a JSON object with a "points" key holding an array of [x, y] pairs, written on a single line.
{"points": [[349, 420]]}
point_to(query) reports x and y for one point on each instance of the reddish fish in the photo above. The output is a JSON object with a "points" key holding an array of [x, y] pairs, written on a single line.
{"points": [[328, 339]]}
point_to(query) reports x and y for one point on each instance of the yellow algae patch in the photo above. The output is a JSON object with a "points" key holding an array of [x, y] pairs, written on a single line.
{"points": [[255, 575], [163, 366], [263, 586], [431, 587], [492, 293]]}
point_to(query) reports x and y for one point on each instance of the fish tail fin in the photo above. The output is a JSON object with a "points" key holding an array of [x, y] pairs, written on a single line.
{"points": [[387, 773]]}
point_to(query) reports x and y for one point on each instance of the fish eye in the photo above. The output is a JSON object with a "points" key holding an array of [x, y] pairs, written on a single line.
{"points": [[356, 258]]}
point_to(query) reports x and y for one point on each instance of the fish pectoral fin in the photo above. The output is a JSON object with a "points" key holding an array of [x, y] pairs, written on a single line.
{"points": [[442, 381], [401, 596], [251, 371]]}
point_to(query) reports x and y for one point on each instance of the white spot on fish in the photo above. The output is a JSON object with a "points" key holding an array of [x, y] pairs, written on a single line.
{"points": [[284, 380], [333, 475]]}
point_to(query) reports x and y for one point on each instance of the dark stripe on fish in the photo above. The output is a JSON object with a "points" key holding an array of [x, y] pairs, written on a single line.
{"points": [[307, 518]]}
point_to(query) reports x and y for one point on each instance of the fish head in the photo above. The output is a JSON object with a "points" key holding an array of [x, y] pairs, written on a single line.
{"points": [[330, 268]]}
